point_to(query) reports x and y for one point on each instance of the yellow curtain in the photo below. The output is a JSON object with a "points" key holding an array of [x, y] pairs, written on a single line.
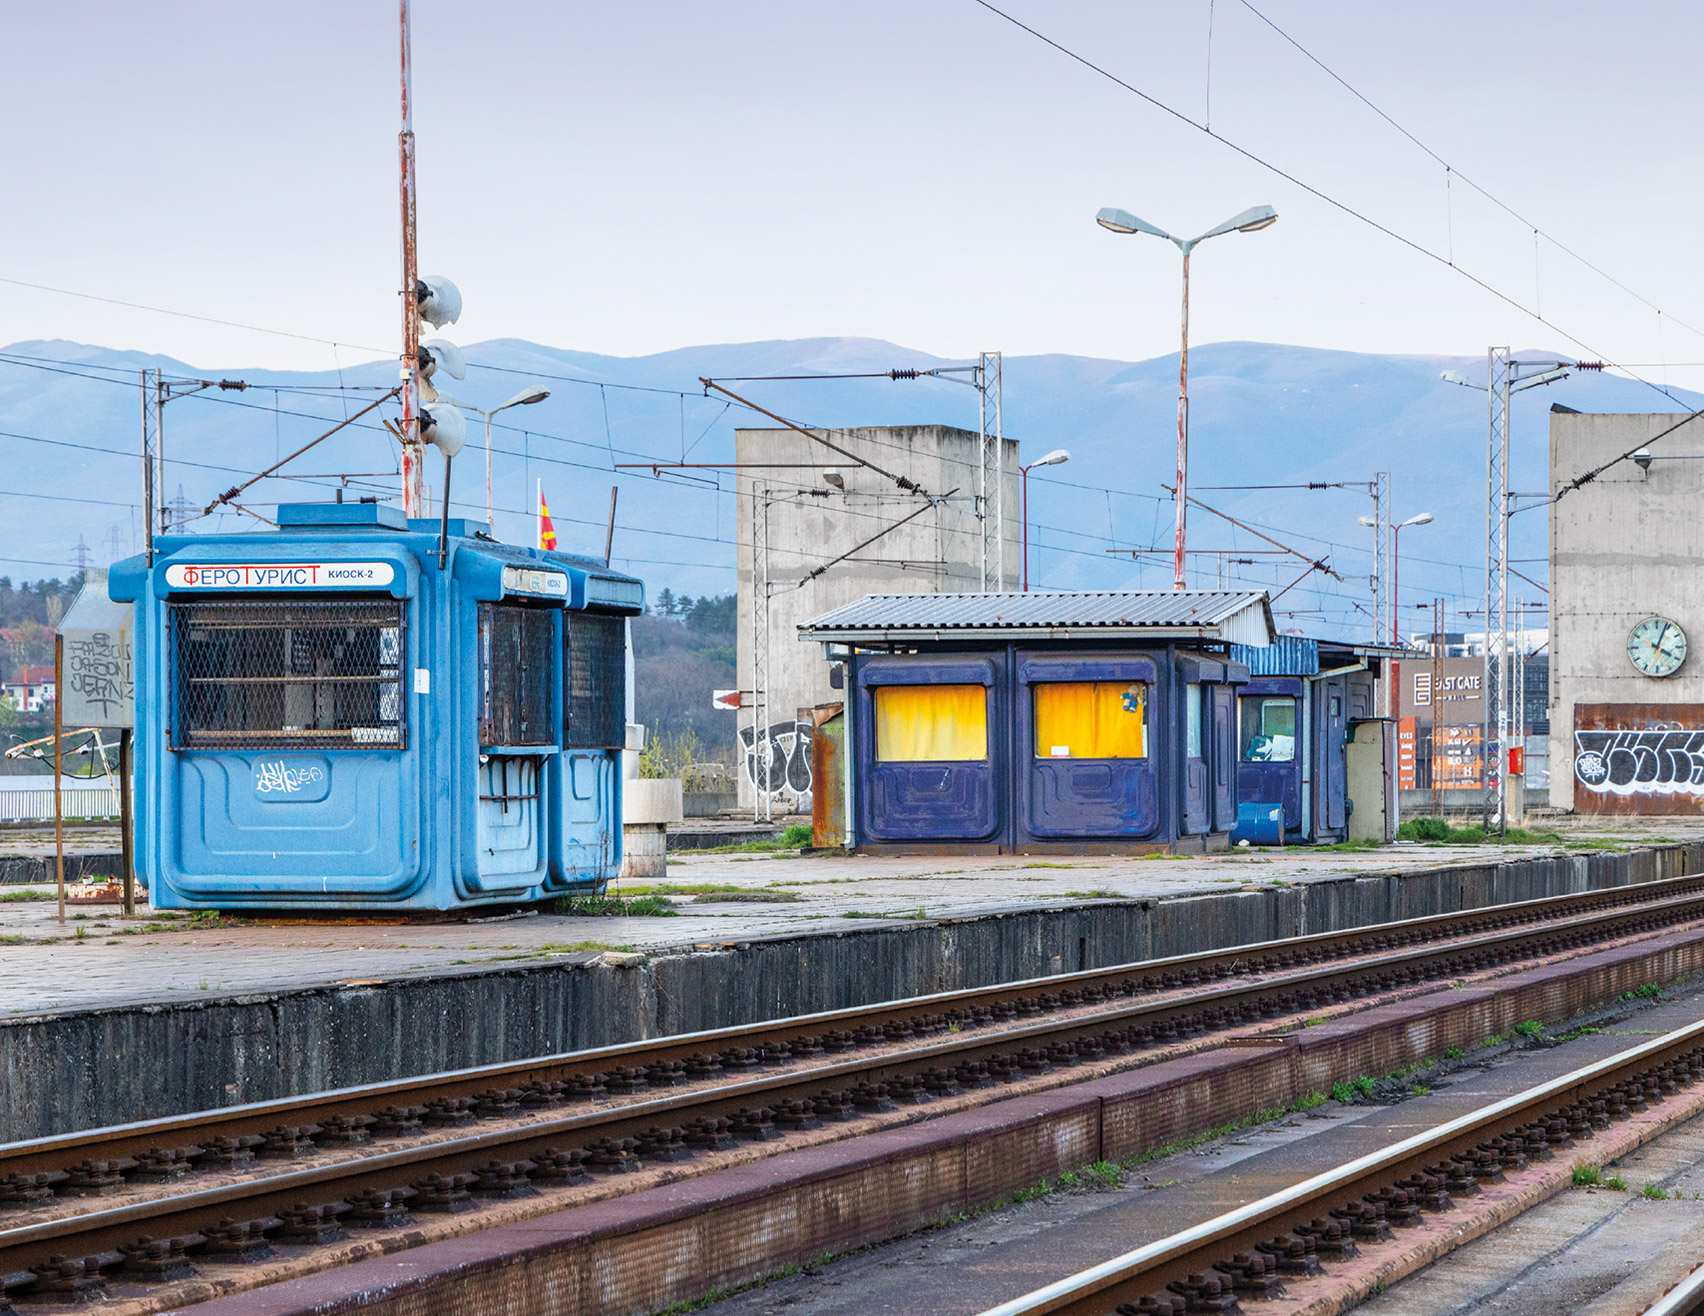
{"points": [[931, 723], [1091, 720]]}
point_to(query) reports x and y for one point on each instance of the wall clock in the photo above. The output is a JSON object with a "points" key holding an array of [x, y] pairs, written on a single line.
{"points": [[1657, 646]]}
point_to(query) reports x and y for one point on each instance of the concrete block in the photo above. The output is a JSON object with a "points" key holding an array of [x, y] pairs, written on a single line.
{"points": [[652, 800], [644, 850]]}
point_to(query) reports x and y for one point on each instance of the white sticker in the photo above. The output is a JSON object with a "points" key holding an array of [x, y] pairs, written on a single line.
{"points": [[526, 580], [279, 575], [1061, 751], [422, 681]]}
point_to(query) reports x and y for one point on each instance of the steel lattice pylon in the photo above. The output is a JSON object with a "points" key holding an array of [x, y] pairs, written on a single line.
{"points": [[991, 477], [760, 750], [1496, 728], [1382, 603], [153, 491]]}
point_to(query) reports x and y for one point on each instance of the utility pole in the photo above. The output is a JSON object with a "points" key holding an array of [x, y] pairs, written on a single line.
{"points": [[1496, 585], [413, 464], [150, 457], [1437, 672], [991, 478]]}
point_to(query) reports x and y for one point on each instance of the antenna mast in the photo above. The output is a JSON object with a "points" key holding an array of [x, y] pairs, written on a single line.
{"points": [[413, 474]]}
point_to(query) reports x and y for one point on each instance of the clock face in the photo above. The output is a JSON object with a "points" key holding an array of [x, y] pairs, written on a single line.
{"points": [[1657, 646]]}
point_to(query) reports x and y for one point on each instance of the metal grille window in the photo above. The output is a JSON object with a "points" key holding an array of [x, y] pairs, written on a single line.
{"points": [[514, 675], [307, 673], [596, 664]]}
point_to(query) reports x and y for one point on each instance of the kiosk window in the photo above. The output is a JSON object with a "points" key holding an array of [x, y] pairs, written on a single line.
{"points": [[931, 723], [303, 674], [1091, 720], [596, 668], [514, 675], [1268, 728]]}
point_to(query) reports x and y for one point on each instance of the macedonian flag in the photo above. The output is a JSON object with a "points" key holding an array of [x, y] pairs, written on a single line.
{"points": [[546, 529]]}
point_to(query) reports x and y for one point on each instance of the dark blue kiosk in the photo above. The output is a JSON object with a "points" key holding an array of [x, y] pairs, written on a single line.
{"points": [[1024, 723], [1311, 742], [359, 712]]}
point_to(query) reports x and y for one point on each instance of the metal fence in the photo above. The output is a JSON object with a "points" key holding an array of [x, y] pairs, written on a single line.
{"points": [[86, 798]]}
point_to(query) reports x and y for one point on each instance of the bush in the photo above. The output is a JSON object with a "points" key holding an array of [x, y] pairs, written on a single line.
{"points": [[796, 836], [1424, 829]]}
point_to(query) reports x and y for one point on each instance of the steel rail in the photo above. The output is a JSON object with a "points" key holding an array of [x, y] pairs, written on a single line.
{"points": [[1099, 1289], [1244, 961], [1683, 1299], [186, 1213]]}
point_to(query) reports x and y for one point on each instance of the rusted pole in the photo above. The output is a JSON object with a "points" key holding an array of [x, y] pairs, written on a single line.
{"points": [[413, 465], [126, 819], [1182, 434], [59, 765]]}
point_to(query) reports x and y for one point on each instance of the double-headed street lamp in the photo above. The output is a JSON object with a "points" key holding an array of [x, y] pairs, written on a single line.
{"points": [[1423, 518], [1058, 457], [1122, 221], [525, 398]]}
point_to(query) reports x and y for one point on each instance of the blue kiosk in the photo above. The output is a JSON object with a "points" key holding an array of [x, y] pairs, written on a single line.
{"points": [[1308, 723], [1027, 723], [357, 712]]}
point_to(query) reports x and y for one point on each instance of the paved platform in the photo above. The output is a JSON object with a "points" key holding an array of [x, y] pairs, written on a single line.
{"points": [[97, 958]]}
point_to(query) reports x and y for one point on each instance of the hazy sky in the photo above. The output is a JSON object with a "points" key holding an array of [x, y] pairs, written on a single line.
{"points": [[630, 177]]}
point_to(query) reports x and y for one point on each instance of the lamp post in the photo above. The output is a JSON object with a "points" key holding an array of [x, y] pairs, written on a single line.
{"points": [[1251, 220], [525, 398], [1423, 518], [1058, 457]]}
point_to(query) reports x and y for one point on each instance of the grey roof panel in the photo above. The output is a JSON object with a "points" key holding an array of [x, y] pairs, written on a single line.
{"points": [[1107, 611]]}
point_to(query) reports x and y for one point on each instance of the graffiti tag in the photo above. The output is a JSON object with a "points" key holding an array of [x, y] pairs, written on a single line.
{"points": [[781, 756], [98, 672], [1660, 761], [279, 776]]}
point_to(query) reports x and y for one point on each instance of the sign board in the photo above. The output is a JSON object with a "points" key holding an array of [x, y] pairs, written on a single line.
{"points": [[526, 580], [279, 575], [725, 699], [100, 665]]}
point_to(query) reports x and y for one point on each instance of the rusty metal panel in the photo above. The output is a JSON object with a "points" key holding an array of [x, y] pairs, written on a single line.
{"points": [[1638, 759], [828, 783]]}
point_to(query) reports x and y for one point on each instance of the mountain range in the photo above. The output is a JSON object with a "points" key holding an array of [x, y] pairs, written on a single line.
{"points": [[1261, 415]]}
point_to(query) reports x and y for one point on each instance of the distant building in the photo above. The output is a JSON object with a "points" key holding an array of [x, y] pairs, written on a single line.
{"points": [[1627, 616], [834, 533], [31, 690]]}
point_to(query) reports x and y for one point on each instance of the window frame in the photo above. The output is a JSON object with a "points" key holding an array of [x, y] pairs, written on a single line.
{"points": [[533, 669], [877, 692], [1036, 741], [1243, 737], [182, 614], [598, 735]]}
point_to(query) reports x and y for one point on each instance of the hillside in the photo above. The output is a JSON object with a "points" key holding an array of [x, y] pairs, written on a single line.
{"points": [[1262, 414]]}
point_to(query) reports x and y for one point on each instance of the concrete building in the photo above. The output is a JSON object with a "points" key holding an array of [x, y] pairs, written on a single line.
{"points": [[1626, 700], [836, 526]]}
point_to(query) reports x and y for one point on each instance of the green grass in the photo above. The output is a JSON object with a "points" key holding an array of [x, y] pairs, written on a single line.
{"points": [[1354, 1088], [1653, 1192], [1452, 1053], [1308, 1100], [1093, 895], [757, 895], [1347, 847], [10, 897], [1437, 831], [1649, 992], [1591, 1176], [677, 889], [1531, 1028], [614, 906]]}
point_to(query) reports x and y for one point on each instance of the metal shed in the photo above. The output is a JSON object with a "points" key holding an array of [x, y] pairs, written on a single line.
{"points": [[355, 713], [1028, 722]]}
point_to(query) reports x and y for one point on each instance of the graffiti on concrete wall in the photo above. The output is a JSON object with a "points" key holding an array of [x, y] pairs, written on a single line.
{"points": [[1659, 760], [781, 756]]}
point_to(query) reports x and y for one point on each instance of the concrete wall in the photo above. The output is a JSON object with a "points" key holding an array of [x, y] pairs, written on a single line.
{"points": [[811, 523], [1622, 548], [84, 1069]]}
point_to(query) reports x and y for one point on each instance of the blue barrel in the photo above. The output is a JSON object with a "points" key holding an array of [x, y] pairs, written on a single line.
{"points": [[1259, 823]]}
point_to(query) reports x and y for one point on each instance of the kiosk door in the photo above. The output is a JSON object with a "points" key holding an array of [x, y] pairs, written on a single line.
{"points": [[1331, 731], [1224, 757], [1269, 748], [1085, 737], [929, 733]]}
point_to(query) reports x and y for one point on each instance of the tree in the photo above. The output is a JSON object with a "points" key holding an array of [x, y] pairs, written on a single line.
{"points": [[665, 604]]}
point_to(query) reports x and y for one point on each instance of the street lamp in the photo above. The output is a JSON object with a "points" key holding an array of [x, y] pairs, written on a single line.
{"points": [[1058, 457], [525, 398], [1251, 220], [1423, 518]]}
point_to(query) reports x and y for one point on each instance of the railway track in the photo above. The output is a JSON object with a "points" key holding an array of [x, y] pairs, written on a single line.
{"points": [[149, 1203], [1339, 1222]]}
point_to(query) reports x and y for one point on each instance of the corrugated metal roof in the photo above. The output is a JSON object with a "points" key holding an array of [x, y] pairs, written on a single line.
{"points": [[1287, 655], [1241, 616]]}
